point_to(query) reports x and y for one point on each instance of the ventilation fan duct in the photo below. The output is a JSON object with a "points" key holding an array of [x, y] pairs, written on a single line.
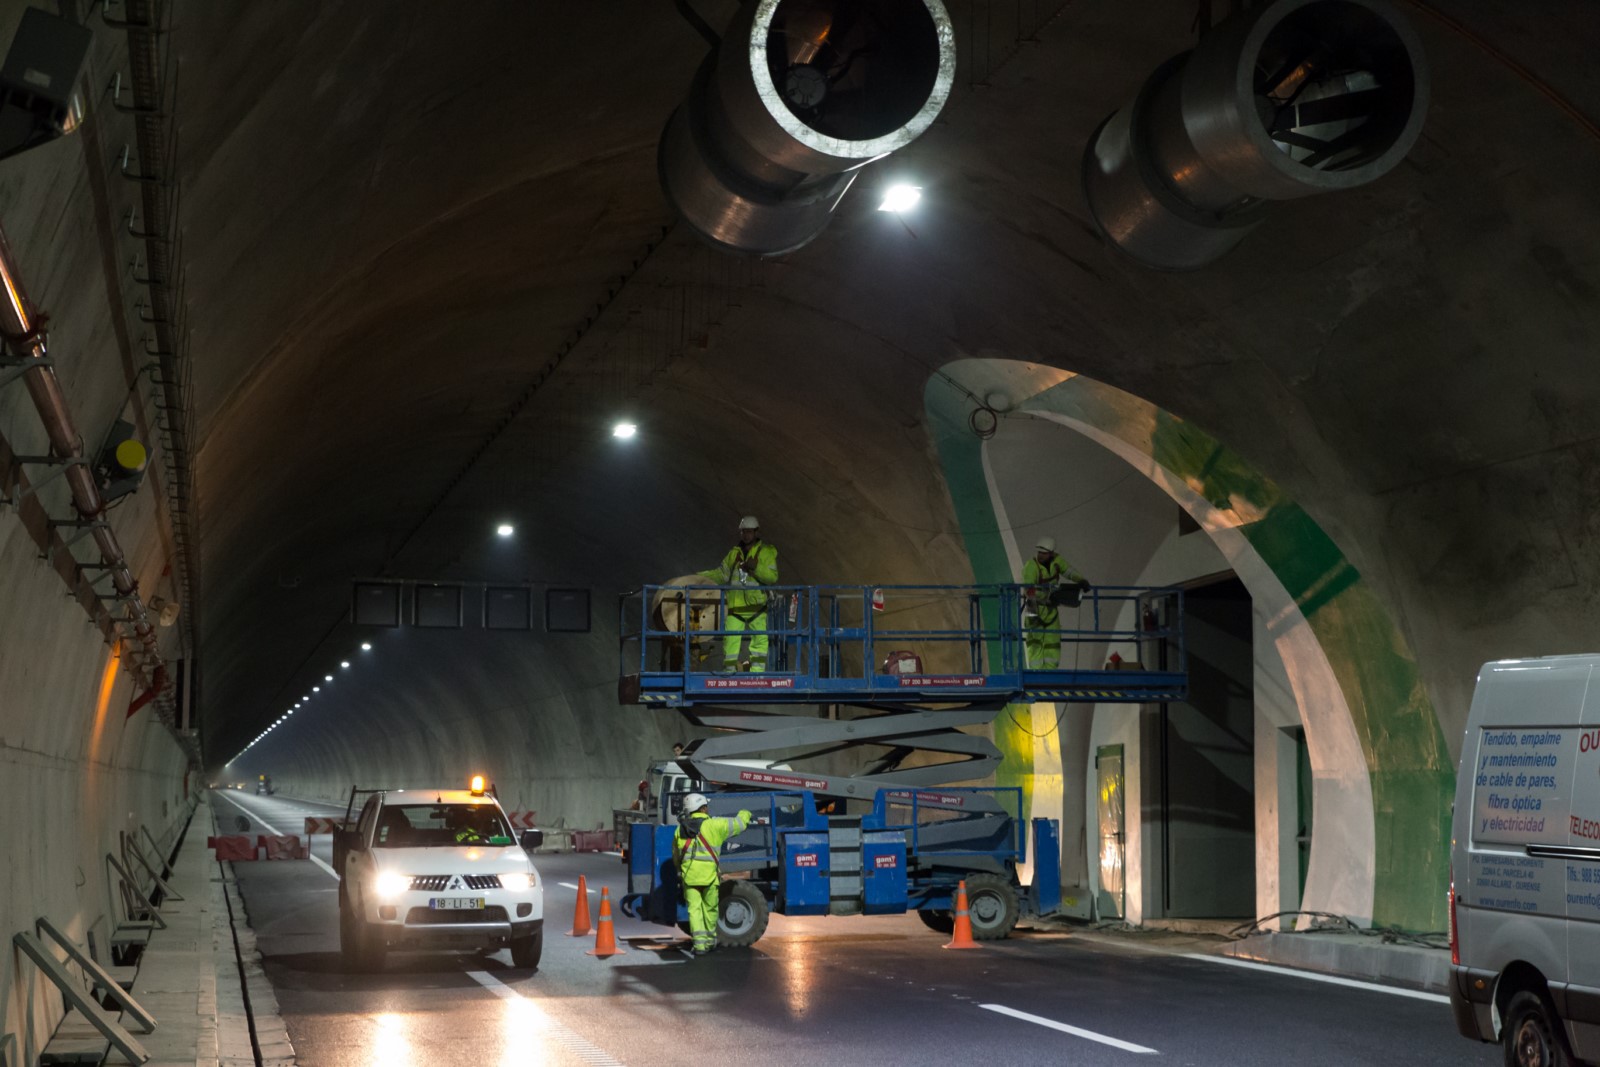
{"points": [[796, 98], [1284, 100]]}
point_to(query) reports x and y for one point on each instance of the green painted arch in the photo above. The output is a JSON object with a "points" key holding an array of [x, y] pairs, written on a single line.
{"points": [[1407, 763]]}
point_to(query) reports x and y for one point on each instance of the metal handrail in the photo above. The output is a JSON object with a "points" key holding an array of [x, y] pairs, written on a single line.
{"points": [[804, 622]]}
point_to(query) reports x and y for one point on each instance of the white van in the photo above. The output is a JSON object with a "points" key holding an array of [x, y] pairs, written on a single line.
{"points": [[1525, 862]]}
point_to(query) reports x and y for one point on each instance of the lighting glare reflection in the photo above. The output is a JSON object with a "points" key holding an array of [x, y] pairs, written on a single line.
{"points": [[898, 198], [391, 1044]]}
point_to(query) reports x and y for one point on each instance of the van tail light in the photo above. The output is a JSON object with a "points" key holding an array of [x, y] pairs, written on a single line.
{"points": [[1455, 936]]}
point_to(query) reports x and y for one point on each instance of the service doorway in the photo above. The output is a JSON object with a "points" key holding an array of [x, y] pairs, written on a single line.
{"points": [[1205, 763]]}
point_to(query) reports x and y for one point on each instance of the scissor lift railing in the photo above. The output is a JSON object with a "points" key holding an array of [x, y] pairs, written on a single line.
{"points": [[826, 644]]}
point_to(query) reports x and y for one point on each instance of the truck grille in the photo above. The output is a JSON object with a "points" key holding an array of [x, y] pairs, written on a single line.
{"points": [[429, 917], [434, 883]]}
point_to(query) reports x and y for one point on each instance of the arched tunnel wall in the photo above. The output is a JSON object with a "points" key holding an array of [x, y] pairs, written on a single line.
{"points": [[1346, 659]]}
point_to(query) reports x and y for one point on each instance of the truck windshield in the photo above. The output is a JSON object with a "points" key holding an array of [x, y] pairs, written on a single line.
{"points": [[431, 825]]}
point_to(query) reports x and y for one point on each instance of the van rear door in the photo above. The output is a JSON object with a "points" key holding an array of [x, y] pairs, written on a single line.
{"points": [[1524, 756], [1583, 885]]}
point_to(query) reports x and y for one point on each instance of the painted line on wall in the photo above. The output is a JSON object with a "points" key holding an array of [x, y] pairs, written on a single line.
{"points": [[274, 830], [531, 1017], [1088, 1035], [1353, 983]]}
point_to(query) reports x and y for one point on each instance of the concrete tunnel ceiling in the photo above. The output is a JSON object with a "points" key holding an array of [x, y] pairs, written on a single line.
{"points": [[431, 262]]}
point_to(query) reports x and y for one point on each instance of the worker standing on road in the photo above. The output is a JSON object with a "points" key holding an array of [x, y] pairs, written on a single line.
{"points": [[750, 564], [1044, 575], [695, 847]]}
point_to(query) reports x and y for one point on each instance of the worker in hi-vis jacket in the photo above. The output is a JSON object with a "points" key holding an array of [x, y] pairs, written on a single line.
{"points": [[695, 847], [1043, 575], [750, 564]]}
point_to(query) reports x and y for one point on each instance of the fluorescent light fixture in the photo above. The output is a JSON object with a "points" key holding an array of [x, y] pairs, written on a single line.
{"points": [[316, 689], [344, 663], [327, 677], [505, 529], [624, 430], [900, 197], [366, 646]]}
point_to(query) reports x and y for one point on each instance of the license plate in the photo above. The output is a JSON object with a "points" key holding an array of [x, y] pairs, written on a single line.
{"points": [[456, 903]]}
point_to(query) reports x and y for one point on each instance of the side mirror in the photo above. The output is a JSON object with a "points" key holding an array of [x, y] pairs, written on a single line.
{"points": [[531, 839], [351, 839]]}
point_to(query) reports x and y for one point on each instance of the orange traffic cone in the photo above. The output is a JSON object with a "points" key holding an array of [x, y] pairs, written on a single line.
{"points": [[963, 930], [580, 918], [605, 941]]}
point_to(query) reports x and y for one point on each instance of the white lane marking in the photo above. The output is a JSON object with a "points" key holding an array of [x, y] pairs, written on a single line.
{"points": [[1090, 1035], [272, 829], [533, 1017], [571, 885], [1312, 976]]}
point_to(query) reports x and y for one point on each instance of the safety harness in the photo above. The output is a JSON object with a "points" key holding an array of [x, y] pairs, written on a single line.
{"points": [[699, 836]]}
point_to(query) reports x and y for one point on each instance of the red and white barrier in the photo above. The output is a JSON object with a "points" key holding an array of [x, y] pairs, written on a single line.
{"points": [[593, 841], [233, 847], [284, 847]]}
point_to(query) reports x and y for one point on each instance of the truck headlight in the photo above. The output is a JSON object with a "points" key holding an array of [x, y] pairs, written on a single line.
{"points": [[517, 883], [389, 884]]}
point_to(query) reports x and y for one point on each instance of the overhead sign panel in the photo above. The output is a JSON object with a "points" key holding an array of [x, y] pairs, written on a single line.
{"points": [[566, 610], [375, 604], [438, 606]]}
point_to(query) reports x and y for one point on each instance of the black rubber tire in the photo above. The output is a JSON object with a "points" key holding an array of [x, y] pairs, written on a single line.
{"points": [[349, 948], [741, 915], [362, 946], [991, 906], [1532, 1035], [526, 951], [938, 920]]}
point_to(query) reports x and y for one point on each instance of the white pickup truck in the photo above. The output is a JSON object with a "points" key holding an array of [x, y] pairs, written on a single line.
{"points": [[436, 868]]}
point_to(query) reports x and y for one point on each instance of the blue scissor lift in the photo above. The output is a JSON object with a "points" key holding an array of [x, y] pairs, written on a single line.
{"points": [[899, 669]]}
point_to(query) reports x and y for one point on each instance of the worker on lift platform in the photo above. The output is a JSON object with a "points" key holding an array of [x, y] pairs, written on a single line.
{"points": [[750, 564], [695, 847], [1051, 581]]}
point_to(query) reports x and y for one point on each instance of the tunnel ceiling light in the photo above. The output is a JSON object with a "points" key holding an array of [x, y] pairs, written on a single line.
{"points": [[624, 431], [900, 197], [316, 689], [366, 646], [327, 677], [505, 529], [345, 664]]}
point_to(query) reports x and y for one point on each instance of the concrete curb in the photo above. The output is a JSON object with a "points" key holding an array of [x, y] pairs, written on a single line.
{"points": [[1360, 956], [1363, 957]]}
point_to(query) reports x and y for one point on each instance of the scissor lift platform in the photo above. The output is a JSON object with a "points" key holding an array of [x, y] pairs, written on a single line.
{"points": [[826, 643]]}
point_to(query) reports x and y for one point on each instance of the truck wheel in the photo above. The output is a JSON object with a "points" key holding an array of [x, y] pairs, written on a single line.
{"points": [[938, 920], [742, 918], [991, 906], [525, 951], [1532, 1036], [349, 950], [362, 946]]}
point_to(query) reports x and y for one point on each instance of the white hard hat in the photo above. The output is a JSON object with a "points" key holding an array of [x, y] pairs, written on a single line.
{"points": [[694, 802], [1047, 543], [749, 522]]}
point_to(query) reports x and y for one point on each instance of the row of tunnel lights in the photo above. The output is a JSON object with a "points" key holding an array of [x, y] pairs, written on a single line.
{"points": [[897, 199], [344, 665]]}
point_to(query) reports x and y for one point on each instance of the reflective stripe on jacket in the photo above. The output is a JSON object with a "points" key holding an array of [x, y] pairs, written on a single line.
{"points": [[730, 573], [1045, 578], [696, 866]]}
